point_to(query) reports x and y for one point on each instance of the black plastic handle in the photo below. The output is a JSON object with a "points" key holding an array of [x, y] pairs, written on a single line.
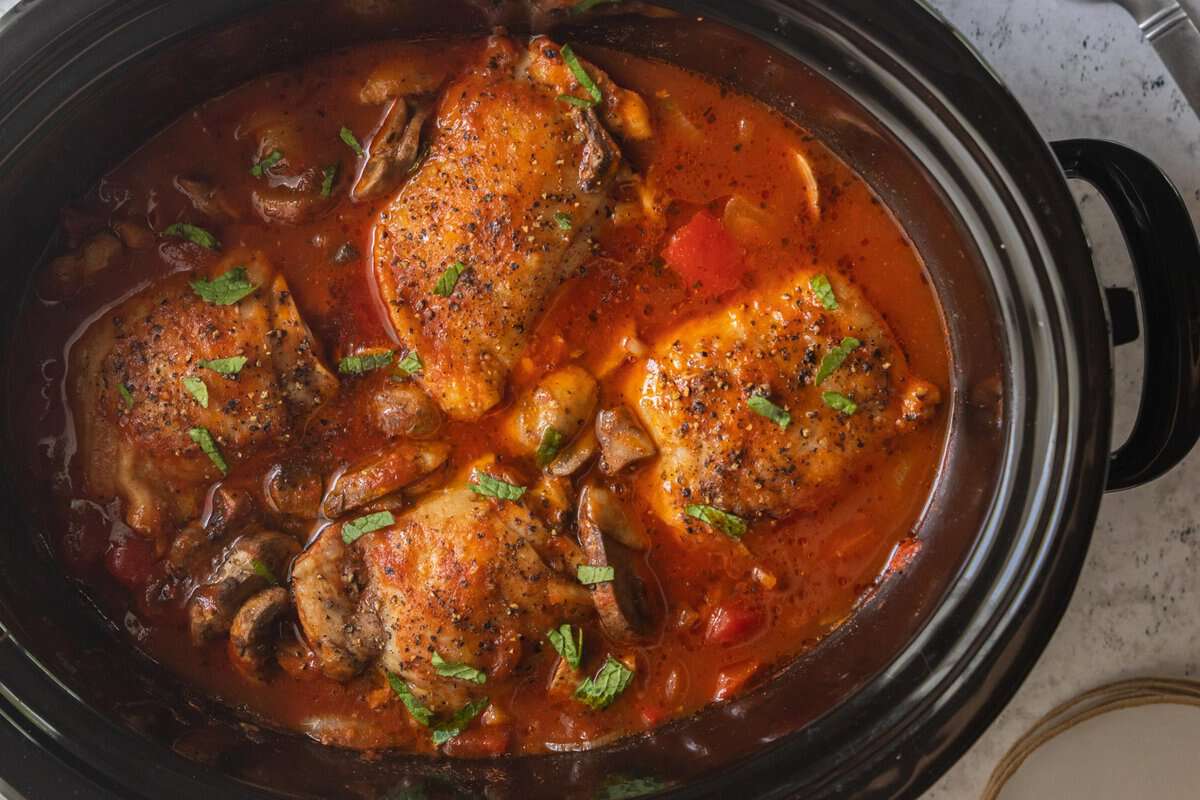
{"points": [[1166, 260]]}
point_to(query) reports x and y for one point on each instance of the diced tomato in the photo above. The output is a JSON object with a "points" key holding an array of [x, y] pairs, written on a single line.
{"points": [[131, 560], [704, 253], [731, 679], [86, 538], [733, 623], [487, 741]]}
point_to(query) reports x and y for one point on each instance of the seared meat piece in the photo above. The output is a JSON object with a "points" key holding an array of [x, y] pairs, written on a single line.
{"points": [[500, 199], [251, 564], [837, 374], [139, 374]]}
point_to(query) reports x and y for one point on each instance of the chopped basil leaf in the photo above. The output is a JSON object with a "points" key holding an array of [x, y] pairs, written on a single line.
{"points": [[262, 166], [197, 389], [621, 788], [566, 643], [419, 712], [599, 692], [225, 366], [357, 365], [126, 395], [348, 137], [488, 486], [193, 233], [835, 357], [202, 437], [224, 290], [446, 283], [587, 5], [759, 404], [824, 292], [552, 442], [563, 221], [328, 176], [411, 363], [461, 719], [839, 402], [584, 79], [263, 571], [462, 672], [729, 524], [355, 529], [590, 575]]}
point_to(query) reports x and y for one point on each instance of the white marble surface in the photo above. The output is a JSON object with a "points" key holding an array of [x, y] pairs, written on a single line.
{"points": [[1081, 69]]}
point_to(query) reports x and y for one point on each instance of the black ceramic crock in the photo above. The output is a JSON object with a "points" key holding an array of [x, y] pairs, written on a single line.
{"points": [[886, 704]]}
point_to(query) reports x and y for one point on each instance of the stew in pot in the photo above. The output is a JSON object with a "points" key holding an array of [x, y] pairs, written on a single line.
{"points": [[481, 396]]}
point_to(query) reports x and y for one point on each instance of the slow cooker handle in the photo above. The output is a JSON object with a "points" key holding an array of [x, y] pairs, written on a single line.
{"points": [[1166, 261]]}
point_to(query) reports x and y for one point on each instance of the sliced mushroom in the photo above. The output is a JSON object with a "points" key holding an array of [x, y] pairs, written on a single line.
{"points": [[231, 506], [70, 272], [621, 603], [605, 511], [394, 151], [600, 153], [134, 236], [292, 204], [563, 400], [623, 440], [253, 633], [326, 593], [564, 680], [550, 499], [206, 198], [294, 488], [382, 474], [194, 549], [213, 606], [305, 380], [403, 409], [572, 458]]}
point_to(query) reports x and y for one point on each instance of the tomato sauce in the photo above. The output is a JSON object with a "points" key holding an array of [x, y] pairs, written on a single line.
{"points": [[725, 160]]}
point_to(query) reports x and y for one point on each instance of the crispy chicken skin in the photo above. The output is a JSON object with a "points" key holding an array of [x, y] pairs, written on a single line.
{"points": [[135, 444], [693, 393], [507, 159], [460, 575]]}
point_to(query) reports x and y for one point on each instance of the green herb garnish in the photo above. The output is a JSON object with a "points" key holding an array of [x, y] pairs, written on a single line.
{"points": [[823, 289], [729, 524], [600, 692], [621, 788], [590, 574], [563, 221], [486, 485], [411, 363], [357, 365], [224, 290], [355, 529], [462, 672], [225, 366], [461, 719], [835, 357], [126, 395], [262, 166], [566, 643], [415, 707], [348, 137], [446, 283], [197, 389], [584, 6], [584, 79], [263, 571], [552, 442], [202, 437], [839, 402], [193, 233], [759, 404], [329, 175]]}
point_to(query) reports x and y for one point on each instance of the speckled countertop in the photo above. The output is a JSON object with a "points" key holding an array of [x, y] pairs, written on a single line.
{"points": [[1081, 69]]}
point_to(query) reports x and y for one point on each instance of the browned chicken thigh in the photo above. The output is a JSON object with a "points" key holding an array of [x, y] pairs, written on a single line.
{"points": [[184, 380], [499, 214]]}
